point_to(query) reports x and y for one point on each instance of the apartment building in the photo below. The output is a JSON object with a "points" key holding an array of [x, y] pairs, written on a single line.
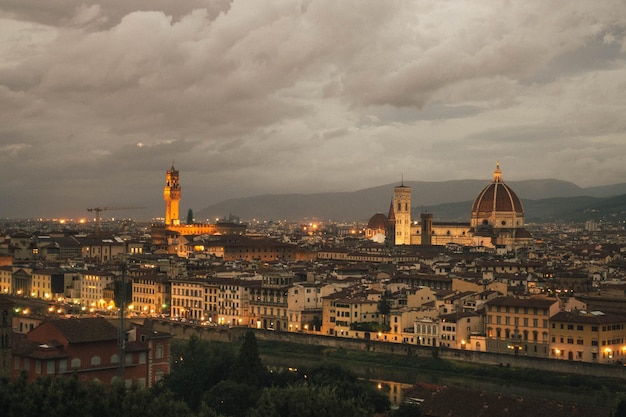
{"points": [[268, 303], [234, 301], [588, 336], [92, 288], [151, 294], [304, 305], [456, 329], [188, 298], [342, 309], [519, 326], [88, 348]]}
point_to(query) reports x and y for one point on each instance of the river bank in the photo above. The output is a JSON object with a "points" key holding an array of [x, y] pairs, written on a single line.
{"points": [[573, 389]]}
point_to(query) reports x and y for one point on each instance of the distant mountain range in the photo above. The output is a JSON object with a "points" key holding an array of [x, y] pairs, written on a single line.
{"points": [[543, 200]]}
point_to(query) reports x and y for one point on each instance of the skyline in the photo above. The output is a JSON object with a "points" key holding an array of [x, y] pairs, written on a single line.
{"points": [[248, 98]]}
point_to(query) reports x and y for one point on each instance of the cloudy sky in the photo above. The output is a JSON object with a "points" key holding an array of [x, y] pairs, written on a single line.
{"points": [[97, 98]]}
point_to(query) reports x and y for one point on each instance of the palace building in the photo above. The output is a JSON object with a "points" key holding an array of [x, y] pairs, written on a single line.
{"points": [[496, 220], [173, 226]]}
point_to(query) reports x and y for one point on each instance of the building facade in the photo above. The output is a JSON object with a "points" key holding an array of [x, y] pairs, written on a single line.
{"points": [[89, 348], [519, 325]]}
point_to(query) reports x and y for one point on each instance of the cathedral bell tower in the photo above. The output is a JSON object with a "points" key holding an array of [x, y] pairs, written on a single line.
{"points": [[402, 211], [171, 195]]}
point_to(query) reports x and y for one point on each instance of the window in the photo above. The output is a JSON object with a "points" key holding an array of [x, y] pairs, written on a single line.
{"points": [[95, 361], [75, 363], [50, 367], [62, 365]]}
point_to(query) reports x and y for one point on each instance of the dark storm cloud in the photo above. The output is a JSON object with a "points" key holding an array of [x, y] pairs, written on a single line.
{"points": [[246, 98]]}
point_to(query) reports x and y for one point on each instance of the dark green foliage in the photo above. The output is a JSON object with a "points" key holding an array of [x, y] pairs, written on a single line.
{"points": [[305, 401], [621, 409], [67, 397], [369, 326], [346, 385], [206, 380], [248, 368], [384, 307], [196, 369], [316, 323], [232, 398]]}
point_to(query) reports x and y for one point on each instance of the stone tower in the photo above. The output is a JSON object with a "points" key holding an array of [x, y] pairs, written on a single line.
{"points": [[171, 195], [402, 212], [427, 228]]}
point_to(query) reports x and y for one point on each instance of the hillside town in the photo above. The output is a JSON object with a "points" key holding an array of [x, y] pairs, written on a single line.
{"points": [[493, 284]]}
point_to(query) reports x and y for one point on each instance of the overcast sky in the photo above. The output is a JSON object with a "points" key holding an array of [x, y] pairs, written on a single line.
{"points": [[97, 98]]}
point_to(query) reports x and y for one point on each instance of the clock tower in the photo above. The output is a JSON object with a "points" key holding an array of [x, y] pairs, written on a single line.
{"points": [[171, 195]]}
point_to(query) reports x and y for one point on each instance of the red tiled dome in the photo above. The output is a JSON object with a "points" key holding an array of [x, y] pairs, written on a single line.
{"points": [[378, 221], [497, 197]]}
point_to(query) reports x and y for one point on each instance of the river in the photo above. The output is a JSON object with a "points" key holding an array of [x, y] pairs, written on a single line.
{"points": [[397, 379]]}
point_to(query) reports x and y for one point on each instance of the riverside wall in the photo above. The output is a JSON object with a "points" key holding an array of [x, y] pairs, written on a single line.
{"points": [[225, 334]]}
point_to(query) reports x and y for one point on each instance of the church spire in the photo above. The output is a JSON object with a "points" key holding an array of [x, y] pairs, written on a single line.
{"points": [[497, 174]]}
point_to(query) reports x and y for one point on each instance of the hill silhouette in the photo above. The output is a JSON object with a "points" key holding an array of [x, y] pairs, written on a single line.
{"points": [[543, 200]]}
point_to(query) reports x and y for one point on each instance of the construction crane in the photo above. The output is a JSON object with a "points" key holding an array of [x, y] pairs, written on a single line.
{"points": [[98, 210]]}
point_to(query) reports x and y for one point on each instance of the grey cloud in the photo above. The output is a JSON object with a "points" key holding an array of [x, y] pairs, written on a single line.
{"points": [[283, 96]]}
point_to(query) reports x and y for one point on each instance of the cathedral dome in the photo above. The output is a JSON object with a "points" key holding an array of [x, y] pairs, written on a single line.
{"points": [[497, 205], [377, 222]]}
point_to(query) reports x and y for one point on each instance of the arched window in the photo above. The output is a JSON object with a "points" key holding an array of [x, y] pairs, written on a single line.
{"points": [[95, 360], [159, 351], [75, 363]]}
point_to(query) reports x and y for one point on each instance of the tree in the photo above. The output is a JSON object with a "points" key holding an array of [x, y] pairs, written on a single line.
{"points": [[196, 369], [316, 323], [305, 400], [231, 398], [190, 217], [384, 308], [621, 409], [248, 368], [346, 385]]}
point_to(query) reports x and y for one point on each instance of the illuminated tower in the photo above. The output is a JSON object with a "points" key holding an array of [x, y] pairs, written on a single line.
{"points": [[171, 195], [402, 212]]}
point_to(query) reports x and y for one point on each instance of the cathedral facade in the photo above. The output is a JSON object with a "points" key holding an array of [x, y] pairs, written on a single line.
{"points": [[496, 219]]}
